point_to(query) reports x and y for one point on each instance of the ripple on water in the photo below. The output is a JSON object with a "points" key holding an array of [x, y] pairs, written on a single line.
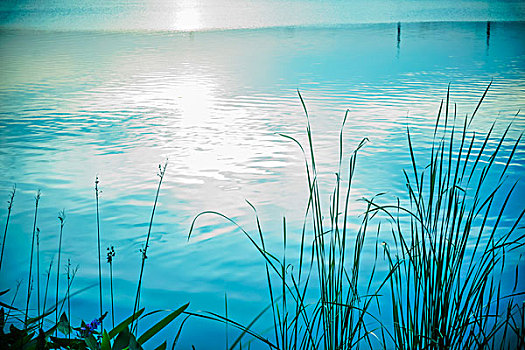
{"points": [[214, 103]]}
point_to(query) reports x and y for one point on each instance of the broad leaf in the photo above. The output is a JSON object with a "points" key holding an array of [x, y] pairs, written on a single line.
{"points": [[161, 324], [124, 324]]}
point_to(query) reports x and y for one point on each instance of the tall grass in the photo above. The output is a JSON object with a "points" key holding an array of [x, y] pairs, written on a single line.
{"points": [[160, 174], [34, 336], [448, 257], [110, 256], [61, 218], [38, 271], [99, 256], [48, 275], [317, 300], [443, 286], [9, 207], [30, 278]]}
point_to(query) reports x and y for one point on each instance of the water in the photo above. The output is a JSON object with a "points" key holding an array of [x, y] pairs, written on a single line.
{"points": [[198, 15], [77, 104]]}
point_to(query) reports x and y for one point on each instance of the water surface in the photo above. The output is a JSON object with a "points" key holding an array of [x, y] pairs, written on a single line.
{"points": [[78, 104]]}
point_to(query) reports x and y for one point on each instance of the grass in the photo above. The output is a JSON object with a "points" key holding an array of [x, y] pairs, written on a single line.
{"points": [[110, 256], [317, 301], [443, 287], [437, 284], [36, 334], [160, 174], [61, 218], [30, 278], [9, 208], [99, 256], [446, 288]]}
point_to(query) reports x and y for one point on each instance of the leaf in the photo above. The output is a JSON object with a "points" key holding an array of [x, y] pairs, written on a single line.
{"points": [[63, 325], [91, 342], [162, 346], [133, 344], [124, 324], [122, 340], [105, 344], [161, 324], [68, 343], [36, 319]]}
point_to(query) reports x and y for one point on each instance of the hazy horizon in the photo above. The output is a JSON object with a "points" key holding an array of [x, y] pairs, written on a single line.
{"points": [[238, 14]]}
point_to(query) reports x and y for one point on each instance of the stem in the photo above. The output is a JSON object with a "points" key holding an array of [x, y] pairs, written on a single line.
{"points": [[47, 287], [61, 217], [110, 255], [68, 300], [111, 286], [99, 261], [29, 284], [161, 173], [10, 202], [38, 270], [18, 283]]}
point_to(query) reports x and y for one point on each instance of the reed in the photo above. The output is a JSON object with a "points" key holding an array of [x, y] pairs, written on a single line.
{"points": [[17, 289], [61, 218], [68, 295], [110, 256], [38, 271], [30, 280], [9, 207], [99, 256], [334, 312], [448, 257], [443, 287], [160, 174], [48, 275]]}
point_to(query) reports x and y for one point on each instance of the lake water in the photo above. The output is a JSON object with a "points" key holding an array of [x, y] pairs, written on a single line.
{"points": [[77, 104]]}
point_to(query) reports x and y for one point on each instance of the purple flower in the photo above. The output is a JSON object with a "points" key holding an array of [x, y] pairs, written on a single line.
{"points": [[88, 329]]}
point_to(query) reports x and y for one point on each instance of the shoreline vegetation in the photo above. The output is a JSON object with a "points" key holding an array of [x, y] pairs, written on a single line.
{"points": [[445, 248]]}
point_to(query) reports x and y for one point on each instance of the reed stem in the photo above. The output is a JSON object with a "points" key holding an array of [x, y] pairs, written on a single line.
{"points": [[61, 217], [110, 256], [47, 288], [9, 207], [162, 171], [38, 270], [29, 282], [99, 255]]}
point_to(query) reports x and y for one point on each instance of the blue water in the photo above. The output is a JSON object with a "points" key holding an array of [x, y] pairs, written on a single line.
{"points": [[198, 15], [77, 104]]}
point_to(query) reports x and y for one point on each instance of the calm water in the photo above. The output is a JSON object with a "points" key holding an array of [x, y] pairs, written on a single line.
{"points": [[116, 104]]}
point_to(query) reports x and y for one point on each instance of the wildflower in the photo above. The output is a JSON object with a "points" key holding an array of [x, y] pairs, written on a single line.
{"points": [[90, 328]]}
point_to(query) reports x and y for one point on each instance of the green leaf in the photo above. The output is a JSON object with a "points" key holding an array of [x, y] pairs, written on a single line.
{"points": [[68, 343], [105, 344], [133, 344], [36, 319], [161, 324], [63, 325], [91, 342], [162, 346], [124, 324], [122, 340]]}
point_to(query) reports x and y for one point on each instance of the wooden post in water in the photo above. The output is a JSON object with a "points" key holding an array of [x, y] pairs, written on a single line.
{"points": [[488, 33], [398, 38], [398, 33]]}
